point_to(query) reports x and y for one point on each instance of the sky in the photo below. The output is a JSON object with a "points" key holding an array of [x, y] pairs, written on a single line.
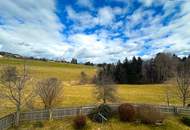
{"points": [[95, 30]]}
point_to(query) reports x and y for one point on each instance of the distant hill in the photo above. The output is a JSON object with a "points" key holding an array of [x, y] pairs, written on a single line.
{"points": [[7, 54], [40, 69], [11, 55]]}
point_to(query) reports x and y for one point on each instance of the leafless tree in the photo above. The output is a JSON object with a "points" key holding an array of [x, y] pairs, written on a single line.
{"points": [[49, 90], [164, 66], [13, 84], [169, 92], [183, 82], [105, 87]]}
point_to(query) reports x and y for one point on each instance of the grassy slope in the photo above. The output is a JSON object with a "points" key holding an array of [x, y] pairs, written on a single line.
{"points": [[40, 69], [78, 95], [68, 73]]}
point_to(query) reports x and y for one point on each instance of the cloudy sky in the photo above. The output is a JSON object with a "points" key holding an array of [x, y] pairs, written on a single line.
{"points": [[95, 30]]}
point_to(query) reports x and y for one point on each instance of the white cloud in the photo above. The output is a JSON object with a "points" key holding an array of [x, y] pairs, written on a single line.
{"points": [[85, 3], [82, 20], [33, 28], [105, 15], [147, 2], [32, 23]]}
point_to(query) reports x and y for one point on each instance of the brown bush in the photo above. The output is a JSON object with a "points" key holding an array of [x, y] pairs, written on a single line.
{"points": [[149, 114], [80, 122], [126, 112]]}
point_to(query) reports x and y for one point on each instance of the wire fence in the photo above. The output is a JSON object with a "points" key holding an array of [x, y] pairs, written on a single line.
{"points": [[59, 113]]}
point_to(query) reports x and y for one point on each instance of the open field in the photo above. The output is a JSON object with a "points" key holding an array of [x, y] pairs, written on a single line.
{"points": [[42, 69], [79, 95], [171, 123], [74, 94]]}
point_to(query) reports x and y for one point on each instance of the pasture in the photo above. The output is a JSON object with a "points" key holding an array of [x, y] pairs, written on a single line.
{"points": [[78, 95], [74, 94]]}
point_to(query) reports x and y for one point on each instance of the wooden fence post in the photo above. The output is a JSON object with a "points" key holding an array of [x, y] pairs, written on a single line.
{"points": [[175, 110]]}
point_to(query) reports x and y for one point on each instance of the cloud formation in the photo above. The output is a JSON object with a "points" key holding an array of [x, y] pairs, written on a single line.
{"points": [[94, 31]]}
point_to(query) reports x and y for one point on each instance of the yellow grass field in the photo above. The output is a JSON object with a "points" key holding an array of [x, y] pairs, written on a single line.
{"points": [[74, 94]]}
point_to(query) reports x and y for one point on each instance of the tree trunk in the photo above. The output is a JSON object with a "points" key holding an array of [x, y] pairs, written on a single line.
{"points": [[17, 116], [184, 101], [168, 98], [50, 114], [104, 100]]}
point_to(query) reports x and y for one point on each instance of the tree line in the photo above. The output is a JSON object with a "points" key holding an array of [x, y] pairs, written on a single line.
{"points": [[138, 71]]}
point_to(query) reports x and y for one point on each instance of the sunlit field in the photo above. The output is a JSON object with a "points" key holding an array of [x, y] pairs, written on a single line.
{"points": [[80, 95], [74, 94], [42, 69]]}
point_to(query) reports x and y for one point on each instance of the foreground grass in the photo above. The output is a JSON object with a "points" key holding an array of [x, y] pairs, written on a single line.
{"points": [[171, 123]]}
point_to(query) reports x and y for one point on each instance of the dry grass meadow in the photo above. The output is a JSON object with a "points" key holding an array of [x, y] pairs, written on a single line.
{"points": [[79, 95]]}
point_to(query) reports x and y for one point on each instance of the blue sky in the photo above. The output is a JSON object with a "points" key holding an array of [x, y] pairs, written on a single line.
{"points": [[95, 30]]}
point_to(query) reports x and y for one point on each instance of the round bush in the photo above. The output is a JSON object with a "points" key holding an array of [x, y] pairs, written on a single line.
{"points": [[186, 120], [80, 122], [126, 112], [103, 110]]}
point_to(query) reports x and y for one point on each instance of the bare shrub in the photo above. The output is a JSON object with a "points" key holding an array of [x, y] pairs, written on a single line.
{"points": [[126, 112], [83, 78], [149, 114], [79, 122]]}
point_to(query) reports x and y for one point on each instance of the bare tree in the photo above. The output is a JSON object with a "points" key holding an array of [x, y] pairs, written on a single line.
{"points": [[183, 82], [164, 66], [13, 84], [105, 87], [169, 91], [49, 89]]}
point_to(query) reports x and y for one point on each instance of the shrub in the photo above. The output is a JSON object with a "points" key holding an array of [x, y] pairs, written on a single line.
{"points": [[186, 120], [104, 110], [149, 114], [80, 122], [126, 112], [38, 124]]}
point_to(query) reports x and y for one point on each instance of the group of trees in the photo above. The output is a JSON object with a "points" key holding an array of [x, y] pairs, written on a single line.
{"points": [[163, 68], [14, 85], [136, 71]]}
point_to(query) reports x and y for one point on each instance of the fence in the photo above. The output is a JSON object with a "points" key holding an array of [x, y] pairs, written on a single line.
{"points": [[9, 120]]}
